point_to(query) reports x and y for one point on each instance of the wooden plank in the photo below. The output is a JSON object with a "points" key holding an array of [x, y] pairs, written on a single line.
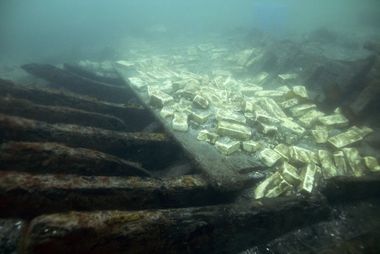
{"points": [[153, 150], [210, 229], [222, 171], [27, 195], [53, 158], [54, 114], [74, 83], [83, 72], [349, 188], [135, 116]]}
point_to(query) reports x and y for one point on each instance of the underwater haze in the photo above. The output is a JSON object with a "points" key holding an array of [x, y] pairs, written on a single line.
{"points": [[57, 30], [164, 126]]}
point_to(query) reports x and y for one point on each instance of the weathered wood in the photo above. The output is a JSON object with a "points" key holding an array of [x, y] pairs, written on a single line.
{"points": [[56, 158], [27, 195], [353, 228], [367, 242], [11, 231], [74, 83], [81, 71], [364, 98], [136, 117], [152, 150], [364, 103], [339, 80], [348, 189], [54, 114], [213, 229]]}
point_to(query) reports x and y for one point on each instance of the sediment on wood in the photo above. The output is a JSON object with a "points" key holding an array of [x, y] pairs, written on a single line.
{"points": [[212, 229], [54, 114], [27, 195], [53, 158], [63, 79], [81, 71], [135, 116], [153, 150], [349, 188]]}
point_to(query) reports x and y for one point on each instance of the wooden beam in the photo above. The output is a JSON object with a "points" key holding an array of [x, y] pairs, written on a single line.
{"points": [[212, 229], [350, 188], [153, 150], [136, 117], [27, 195], [82, 72], [54, 114], [62, 79], [53, 158]]}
